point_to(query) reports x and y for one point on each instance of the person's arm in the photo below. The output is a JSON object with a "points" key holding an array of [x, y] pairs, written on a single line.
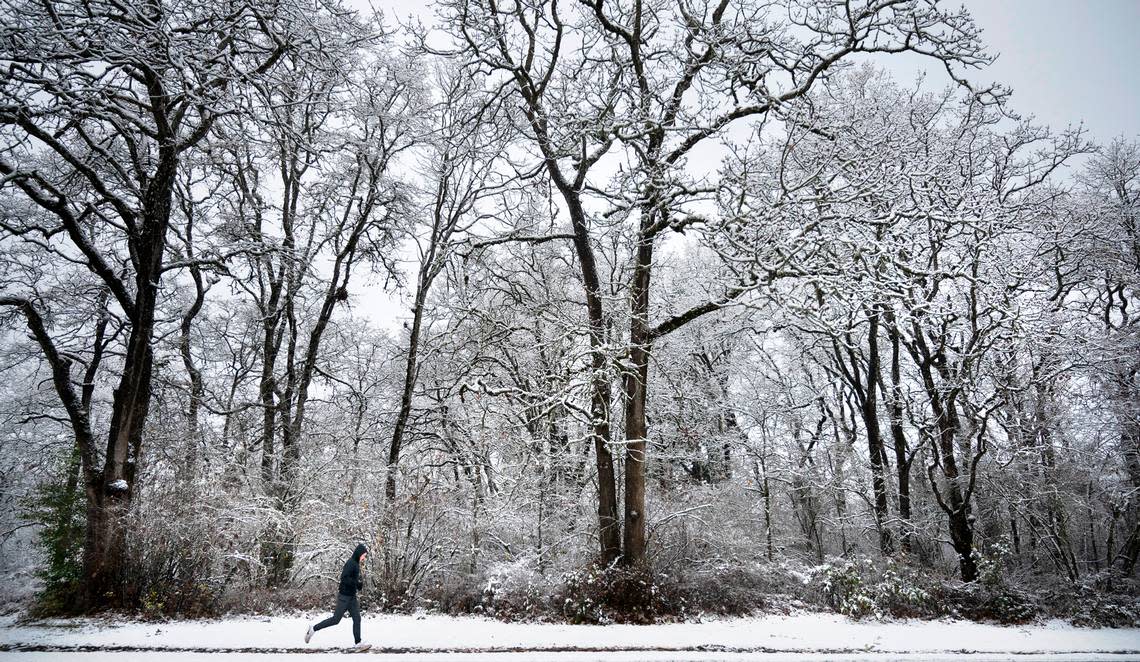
{"points": [[359, 577]]}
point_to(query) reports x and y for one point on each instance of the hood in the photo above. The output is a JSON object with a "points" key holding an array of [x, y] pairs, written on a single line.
{"points": [[359, 551]]}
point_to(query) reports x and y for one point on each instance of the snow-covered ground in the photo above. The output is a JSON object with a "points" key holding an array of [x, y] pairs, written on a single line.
{"points": [[445, 639]]}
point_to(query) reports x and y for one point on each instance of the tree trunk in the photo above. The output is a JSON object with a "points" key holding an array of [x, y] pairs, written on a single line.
{"points": [[104, 554], [609, 529], [760, 474], [955, 504], [193, 432], [1128, 555], [898, 439], [402, 415], [870, 414], [636, 391]]}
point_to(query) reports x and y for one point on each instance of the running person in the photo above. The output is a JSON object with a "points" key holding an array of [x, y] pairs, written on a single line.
{"points": [[350, 583]]}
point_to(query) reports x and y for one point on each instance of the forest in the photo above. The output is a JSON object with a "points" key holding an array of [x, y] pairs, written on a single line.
{"points": [[574, 309]]}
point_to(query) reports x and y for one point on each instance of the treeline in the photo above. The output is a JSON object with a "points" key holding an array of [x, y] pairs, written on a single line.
{"points": [[685, 287]]}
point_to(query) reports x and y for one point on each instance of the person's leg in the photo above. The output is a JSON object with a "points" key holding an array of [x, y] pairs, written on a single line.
{"points": [[354, 609], [341, 605]]}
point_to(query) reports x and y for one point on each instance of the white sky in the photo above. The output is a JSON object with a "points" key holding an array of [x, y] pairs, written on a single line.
{"points": [[1068, 60]]}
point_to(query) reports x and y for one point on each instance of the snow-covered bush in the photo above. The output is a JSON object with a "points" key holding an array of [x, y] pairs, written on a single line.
{"points": [[514, 589], [739, 588], [979, 602], [1104, 599], [171, 568], [870, 589], [903, 592], [600, 594], [843, 588]]}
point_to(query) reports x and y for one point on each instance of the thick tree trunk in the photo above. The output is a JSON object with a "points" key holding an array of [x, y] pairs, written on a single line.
{"points": [[109, 500], [636, 392], [954, 499], [955, 505], [635, 431], [109, 490]]}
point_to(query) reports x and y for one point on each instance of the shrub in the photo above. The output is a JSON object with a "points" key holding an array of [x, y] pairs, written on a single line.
{"points": [[261, 600], [169, 569], [979, 602], [1104, 599], [876, 589], [843, 588], [903, 592], [602, 594], [514, 590], [1107, 611], [727, 590], [453, 593]]}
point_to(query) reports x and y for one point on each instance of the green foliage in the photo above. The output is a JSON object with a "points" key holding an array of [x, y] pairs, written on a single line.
{"points": [[902, 592], [59, 508], [843, 587], [991, 564]]}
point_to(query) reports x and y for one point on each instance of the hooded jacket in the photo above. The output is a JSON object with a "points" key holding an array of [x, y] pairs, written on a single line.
{"points": [[350, 580]]}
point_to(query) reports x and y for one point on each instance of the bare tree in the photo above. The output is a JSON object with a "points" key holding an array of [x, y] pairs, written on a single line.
{"points": [[100, 103], [917, 259], [332, 125], [466, 142], [650, 61]]}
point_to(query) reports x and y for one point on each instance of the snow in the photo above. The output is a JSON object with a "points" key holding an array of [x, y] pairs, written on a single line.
{"points": [[692, 656], [118, 486], [442, 638]]}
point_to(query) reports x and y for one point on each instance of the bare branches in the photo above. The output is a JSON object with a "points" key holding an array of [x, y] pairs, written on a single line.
{"points": [[78, 414]]}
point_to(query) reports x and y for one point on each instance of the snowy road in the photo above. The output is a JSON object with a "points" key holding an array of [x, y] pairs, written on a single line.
{"points": [[536, 656], [433, 638], [613, 656]]}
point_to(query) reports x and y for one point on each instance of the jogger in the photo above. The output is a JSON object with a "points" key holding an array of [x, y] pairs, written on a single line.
{"points": [[350, 583]]}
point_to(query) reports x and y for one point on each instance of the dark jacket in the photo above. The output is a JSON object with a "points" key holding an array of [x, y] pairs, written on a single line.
{"points": [[350, 580]]}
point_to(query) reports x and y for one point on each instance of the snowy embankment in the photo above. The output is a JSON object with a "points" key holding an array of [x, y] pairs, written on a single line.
{"points": [[434, 637]]}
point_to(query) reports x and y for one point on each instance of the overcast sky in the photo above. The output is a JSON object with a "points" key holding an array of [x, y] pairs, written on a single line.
{"points": [[1067, 61]]}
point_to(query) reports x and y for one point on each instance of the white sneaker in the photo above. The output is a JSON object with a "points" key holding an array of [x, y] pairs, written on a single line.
{"points": [[360, 648], [309, 634]]}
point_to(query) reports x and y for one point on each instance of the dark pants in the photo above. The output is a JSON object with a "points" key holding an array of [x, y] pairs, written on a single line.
{"points": [[343, 603]]}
